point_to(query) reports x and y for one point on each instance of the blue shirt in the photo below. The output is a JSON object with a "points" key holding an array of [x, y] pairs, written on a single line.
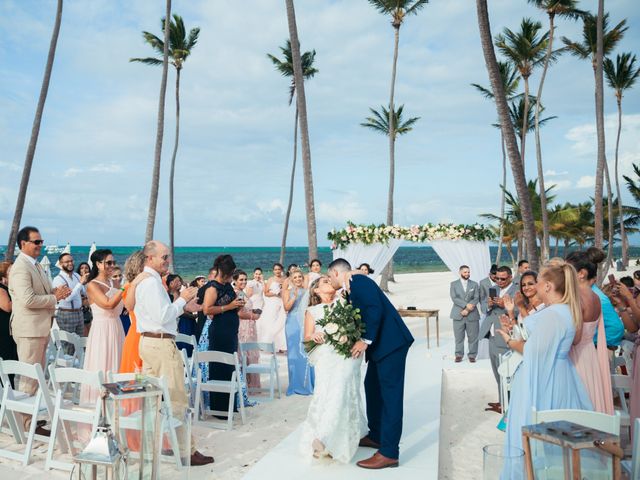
{"points": [[613, 327]]}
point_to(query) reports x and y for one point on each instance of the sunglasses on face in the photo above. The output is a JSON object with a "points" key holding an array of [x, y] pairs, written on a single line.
{"points": [[502, 279], [36, 242], [109, 263]]}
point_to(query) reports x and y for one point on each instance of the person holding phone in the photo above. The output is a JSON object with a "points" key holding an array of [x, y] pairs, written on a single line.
{"points": [[495, 309], [222, 303]]}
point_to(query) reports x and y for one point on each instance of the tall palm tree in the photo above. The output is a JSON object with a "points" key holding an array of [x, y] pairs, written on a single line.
{"points": [[301, 103], [180, 46], [508, 133], [517, 109], [285, 67], [33, 140], [621, 76], [597, 42], [398, 10], [526, 49], [553, 8], [510, 83], [155, 176]]}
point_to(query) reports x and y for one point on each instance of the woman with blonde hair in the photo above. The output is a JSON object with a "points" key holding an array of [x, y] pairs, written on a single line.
{"points": [[133, 267], [546, 379]]}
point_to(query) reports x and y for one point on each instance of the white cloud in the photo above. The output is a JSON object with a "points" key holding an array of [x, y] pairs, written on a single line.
{"points": [[271, 206], [553, 173], [106, 168], [559, 184], [71, 172], [586, 181]]}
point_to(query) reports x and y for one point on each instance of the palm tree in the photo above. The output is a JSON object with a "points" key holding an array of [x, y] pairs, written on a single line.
{"points": [[508, 133], [398, 10], [566, 9], [301, 103], [155, 176], [180, 47], [620, 77], [597, 42], [33, 140], [633, 184], [379, 121], [285, 67], [517, 110], [510, 82], [526, 49]]}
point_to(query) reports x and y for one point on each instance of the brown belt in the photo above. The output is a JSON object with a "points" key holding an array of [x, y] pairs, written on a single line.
{"points": [[158, 335], [70, 309]]}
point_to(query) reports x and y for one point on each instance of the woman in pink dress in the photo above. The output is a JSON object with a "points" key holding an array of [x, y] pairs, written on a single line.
{"points": [[247, 331], [106, 337], [591, 363]]}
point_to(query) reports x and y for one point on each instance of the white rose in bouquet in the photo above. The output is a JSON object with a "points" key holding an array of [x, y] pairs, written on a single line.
{"points": [[330, 328], [343, 340]]}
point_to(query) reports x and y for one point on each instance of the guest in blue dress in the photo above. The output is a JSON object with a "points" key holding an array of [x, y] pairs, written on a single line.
{"points": [[546, 379], [301, 377]]}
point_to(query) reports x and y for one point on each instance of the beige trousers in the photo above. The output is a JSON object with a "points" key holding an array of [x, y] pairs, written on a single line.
{"points": [[31, 350], [161, 358]]}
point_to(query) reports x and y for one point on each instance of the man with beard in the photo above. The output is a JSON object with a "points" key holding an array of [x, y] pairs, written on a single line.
{"points": [[69, 310]]}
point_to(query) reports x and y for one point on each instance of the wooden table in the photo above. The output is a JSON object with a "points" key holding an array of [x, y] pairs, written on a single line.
{"points": [[427, 314], [572, 438]]}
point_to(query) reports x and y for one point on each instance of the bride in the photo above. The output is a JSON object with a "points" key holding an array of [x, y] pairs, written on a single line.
{"points": [[335, 421]]}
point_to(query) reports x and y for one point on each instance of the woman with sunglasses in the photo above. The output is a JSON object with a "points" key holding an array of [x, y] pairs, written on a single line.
{"points": [[104, 344], [85, 269]]}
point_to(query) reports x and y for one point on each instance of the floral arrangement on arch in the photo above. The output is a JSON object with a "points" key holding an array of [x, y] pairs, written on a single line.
{"points": [[370, 234]]}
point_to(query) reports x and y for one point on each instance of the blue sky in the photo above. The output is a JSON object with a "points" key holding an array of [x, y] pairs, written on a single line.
{"points": [[90, 179]]}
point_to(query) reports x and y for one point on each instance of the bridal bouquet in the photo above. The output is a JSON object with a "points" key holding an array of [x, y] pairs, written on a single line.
{"points": [[342, 326]]}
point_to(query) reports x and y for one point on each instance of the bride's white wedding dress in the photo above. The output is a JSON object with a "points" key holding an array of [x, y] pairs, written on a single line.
{"points": [[336, 413]]}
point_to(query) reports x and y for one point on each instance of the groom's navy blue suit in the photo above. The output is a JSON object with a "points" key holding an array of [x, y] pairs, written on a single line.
{"points": [[387, 353]]}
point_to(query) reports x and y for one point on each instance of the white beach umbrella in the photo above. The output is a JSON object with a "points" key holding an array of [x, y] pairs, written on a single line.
{"points": [[46, 266], [91, 250], [66, 249]]}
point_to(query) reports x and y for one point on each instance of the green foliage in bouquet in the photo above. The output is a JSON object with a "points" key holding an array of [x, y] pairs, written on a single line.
{"points": [[342, 326]]}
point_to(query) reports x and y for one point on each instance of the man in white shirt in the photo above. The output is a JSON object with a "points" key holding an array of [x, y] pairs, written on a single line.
{"points": [[157, 322], [69, 310]]}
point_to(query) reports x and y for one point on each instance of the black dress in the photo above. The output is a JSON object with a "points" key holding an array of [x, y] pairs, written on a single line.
{"points": [[223, 337], [8, 349]]}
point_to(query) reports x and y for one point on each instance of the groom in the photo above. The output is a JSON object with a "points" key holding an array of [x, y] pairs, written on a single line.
{"points": [[386, 341]]}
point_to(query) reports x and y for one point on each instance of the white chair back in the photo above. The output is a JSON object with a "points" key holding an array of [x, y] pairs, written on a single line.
{"points": [[621, 385], [596, 420], [271, 368]]}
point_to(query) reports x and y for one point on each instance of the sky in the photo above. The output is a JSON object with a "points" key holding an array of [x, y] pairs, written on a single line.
{"points": [[92, 168]]}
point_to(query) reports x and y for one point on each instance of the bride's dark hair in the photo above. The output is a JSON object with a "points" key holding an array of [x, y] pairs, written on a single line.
{"points": [[314, 298]]}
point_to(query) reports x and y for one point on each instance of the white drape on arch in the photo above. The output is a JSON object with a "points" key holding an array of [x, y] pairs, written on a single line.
{"points": [[377, 255], [464, 252]]}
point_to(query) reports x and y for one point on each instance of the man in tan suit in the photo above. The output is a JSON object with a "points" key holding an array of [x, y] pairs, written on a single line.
{"points": [[34, 302]]}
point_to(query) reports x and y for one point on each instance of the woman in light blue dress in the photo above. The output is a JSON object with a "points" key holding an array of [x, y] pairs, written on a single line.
{"points": [[301, 377], [546, 379]]}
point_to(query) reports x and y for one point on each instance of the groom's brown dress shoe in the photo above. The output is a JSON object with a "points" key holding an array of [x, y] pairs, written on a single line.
{"points": [[198, 459], [377, 462], [367, 442]]}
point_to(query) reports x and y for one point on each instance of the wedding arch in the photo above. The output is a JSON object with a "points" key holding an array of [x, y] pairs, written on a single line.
{"points": [[376, 244]]}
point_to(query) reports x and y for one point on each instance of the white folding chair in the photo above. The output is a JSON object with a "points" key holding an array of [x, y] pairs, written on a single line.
{"points": [[168, 423], [632, 467], [621, 385], [66, 360], [189, 340], [189, 375], [231, 386], [37, 406], [66, 411], [270, 368], [626, 351]]}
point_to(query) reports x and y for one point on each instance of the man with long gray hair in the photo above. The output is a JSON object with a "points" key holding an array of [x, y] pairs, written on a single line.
{"points": [[385, 343]]}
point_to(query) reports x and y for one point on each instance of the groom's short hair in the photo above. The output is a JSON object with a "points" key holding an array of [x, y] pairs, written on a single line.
{"points": [[340, 265]]}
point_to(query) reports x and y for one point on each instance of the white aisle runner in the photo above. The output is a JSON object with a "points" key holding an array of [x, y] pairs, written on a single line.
{"points": [[419, 445]]}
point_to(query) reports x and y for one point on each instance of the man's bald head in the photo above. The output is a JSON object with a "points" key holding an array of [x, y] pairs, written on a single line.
{"points": [[156, 255]]}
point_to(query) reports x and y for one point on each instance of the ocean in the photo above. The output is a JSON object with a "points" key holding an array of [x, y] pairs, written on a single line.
{"points": [[192, 261]]}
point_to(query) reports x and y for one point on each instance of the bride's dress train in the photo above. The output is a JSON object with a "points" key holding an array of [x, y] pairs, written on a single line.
{"points": [[336, 413]]}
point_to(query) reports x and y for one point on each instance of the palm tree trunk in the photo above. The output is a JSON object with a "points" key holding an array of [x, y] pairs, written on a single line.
{"points": [[609, 261], [623, 233], [283, 246], [517, 167], [525, 118], [545, 246], [555, 250], [599, 97], [33, 141], [172, 174], [155, 177], [301, 102], [502, 199], [388, 272]]}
